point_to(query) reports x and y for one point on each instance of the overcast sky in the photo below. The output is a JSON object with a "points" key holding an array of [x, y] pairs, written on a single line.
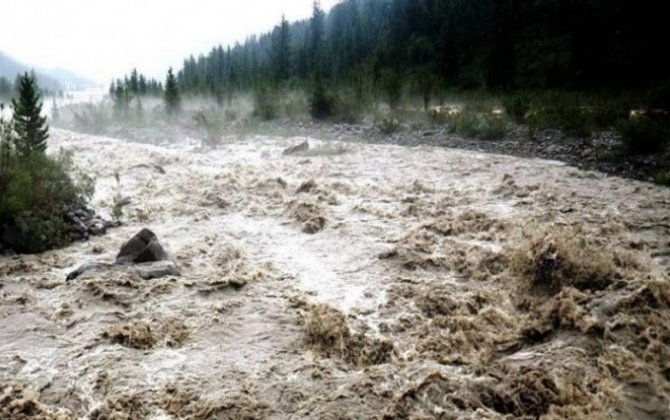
{"points": [[101, 39]]}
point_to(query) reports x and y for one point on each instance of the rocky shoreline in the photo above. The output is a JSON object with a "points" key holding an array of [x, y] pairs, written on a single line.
{"points": [[81, 221], [600, 153]]}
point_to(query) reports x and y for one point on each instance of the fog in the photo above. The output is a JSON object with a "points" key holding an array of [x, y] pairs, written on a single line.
{"points": [[104, 39]]}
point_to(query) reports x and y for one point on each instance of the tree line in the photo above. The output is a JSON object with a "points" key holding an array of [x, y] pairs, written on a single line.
{"points": [[9, 89], [382, 46]]}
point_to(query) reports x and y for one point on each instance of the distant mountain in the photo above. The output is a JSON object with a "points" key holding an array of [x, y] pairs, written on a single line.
{"points": [[69, 80], [53, 80]]}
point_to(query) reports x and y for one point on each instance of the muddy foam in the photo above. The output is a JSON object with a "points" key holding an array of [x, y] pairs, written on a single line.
{"points": [[362, 282]]}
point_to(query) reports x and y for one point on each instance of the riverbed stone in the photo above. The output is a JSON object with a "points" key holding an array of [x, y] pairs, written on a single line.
{"points": [[141, 248]]}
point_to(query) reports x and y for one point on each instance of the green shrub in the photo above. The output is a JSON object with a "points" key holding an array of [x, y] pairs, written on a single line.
{"points": [[517, 107], [348, 110], [36, 192], [642, 134], [90, 118], [391, 84], [438, 116], [485, 126], [493, 127], [322, 105], [569, 113], [465, 124], [662, 178], [388, 124], [266, 103]]}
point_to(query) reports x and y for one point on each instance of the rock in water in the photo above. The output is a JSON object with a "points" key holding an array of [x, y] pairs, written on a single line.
{"points": [[141, 248], [89, 266], [142, 254], [157, 270], [302, 147]]}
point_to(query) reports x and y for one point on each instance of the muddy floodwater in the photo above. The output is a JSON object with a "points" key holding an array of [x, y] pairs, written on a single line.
{"points": [[347, 282]]}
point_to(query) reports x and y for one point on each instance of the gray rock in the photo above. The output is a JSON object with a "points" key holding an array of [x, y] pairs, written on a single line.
{"points": [[156, 270], [88, 267], [97, 227], [141, 248], [142, 254]]}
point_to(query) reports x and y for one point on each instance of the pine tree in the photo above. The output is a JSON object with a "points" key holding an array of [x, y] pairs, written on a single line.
{"points": [[172, 99], [134, 82], [281, 51], [317, 32], [28, 124]]}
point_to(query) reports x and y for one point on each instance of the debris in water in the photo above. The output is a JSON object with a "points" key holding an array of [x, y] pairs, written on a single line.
{"points": [[18, 402], [554, 259], [136, 335], [328, 332]]}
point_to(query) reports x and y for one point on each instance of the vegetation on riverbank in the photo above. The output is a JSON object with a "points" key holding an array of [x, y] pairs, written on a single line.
{"points": [[36, 190]]}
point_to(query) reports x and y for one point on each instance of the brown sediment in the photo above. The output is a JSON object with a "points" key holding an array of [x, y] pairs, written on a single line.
{"points": [[328, 332], [309, 213], [19, 402], [136, 335], [189, 404], [555, 259], [585, 335], [447, 243], [174, 331], [234, 271], [267, 322], [125, 406]]}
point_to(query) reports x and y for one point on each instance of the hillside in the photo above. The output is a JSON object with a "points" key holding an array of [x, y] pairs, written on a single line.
{"points": [[53, 80]]}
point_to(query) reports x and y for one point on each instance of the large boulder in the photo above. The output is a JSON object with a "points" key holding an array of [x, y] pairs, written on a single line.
{"points": [[157, 270], [142, 248], [142, 254]]}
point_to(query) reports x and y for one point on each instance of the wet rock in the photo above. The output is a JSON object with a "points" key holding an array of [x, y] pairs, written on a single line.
{"points": [[142, 254], [97, 227], [84, 223], [302, 147], [158, 168], [141, 248], [88, 267], [157, 270]]}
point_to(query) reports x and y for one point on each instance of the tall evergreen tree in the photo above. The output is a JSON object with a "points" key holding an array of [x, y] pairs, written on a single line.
{"points": [[172, 98], [317, 33], [281, 51], [134, 82], [29, 125]]}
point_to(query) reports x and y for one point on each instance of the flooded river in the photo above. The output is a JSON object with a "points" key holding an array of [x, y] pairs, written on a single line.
{"points": [[352, 281]]}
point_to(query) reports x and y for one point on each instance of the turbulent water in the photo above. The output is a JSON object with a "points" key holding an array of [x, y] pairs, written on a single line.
{"points": [[357, 281]]}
